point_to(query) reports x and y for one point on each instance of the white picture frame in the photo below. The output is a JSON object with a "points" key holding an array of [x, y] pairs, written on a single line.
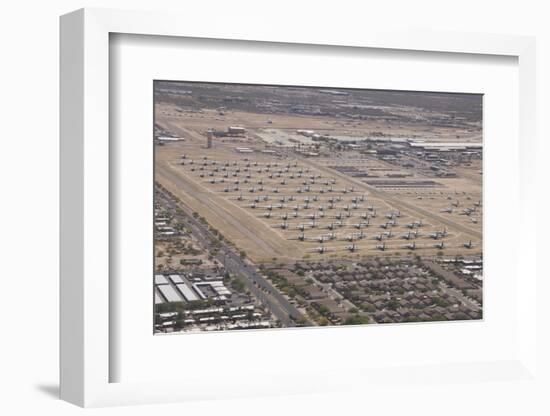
{"points": [[85, 213]]}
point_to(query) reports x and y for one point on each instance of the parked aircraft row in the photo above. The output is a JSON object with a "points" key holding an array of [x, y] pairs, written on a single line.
{"points": [[358, 235], [383, 246]]}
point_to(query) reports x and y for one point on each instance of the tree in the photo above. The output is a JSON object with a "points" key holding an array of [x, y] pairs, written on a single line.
{"points": [[301, 321], [357, 320], [393, 304], [441, 302], [323, 321], [238, 285], [369, 308]]}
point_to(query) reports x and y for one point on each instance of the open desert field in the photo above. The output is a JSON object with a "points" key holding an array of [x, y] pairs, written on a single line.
{"points": [[274, 202]]}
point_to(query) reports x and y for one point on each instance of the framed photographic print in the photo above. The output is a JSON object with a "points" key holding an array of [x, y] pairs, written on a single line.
{"points": [[279, 207], [291, 213]]}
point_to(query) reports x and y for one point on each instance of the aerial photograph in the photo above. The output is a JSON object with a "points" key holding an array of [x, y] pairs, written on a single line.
{"points": [[291, 206]]}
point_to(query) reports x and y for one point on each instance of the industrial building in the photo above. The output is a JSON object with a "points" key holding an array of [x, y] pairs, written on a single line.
{"points": [[169, 139], [445, 146], [236, 130]]}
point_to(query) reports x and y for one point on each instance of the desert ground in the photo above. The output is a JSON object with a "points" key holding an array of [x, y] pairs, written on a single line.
{"points": [[259, 200]]}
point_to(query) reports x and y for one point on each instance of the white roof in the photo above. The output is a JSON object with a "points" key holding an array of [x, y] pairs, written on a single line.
{"points": [[169, 293], [176, 278], [187, 293], [202, 295], [169, 139], [158, 299], [160, 280], [446, 144]]}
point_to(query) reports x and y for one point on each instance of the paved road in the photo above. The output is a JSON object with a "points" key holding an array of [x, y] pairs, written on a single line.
{"points": [[273, 299], [447, 288], [280, 305]]}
